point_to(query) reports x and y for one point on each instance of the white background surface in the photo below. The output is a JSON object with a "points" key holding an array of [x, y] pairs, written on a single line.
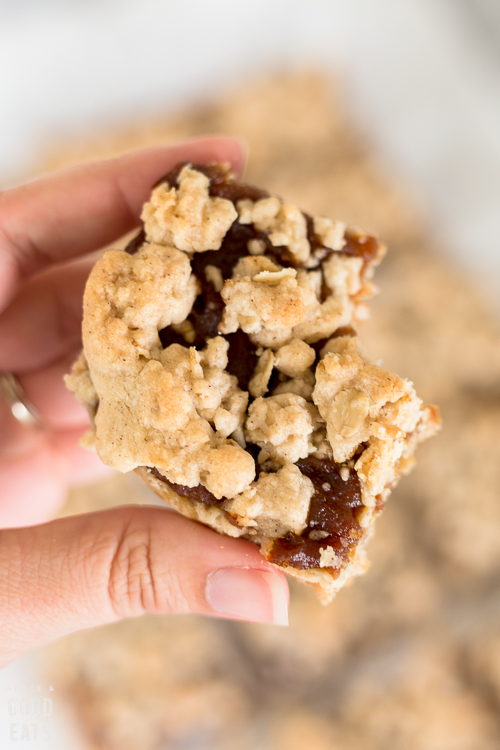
{"points": [[424, 77], [32, 711]]}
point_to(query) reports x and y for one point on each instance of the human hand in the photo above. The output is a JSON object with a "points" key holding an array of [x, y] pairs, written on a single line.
{"points": [[82, 571]]}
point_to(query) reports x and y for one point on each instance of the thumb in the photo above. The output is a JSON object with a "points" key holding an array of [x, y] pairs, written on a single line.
{"points": [[88, 570]]}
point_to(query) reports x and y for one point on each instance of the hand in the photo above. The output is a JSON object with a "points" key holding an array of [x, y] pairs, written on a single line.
{"points": [[81, 571]]}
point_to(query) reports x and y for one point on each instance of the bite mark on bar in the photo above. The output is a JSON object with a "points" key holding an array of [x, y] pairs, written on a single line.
{"points": [[333, 511]]}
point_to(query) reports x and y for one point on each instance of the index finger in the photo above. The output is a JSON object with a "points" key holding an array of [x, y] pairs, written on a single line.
{"points": [[81, 209]]}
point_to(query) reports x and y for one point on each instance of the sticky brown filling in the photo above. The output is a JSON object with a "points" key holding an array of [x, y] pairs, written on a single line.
{"points": [[332, 519], [199, 493], [335, 504]]}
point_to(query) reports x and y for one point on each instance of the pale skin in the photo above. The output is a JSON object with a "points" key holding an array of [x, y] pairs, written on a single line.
{"points": [[60, 576]]}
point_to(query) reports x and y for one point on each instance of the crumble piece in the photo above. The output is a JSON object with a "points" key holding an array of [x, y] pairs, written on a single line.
{"points": [[282, 426], [284, 224], [360, 401], [276, 503], [303, 385], [330, 233], [270, 301], [258, 385], [328, 557], [294, 358], [187, 217]]}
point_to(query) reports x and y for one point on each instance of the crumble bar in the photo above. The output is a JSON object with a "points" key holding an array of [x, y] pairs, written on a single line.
{"points": [[221, 362]]}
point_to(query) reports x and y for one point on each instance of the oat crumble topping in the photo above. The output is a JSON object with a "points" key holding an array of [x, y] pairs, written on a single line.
{"points": [[221, 363]]}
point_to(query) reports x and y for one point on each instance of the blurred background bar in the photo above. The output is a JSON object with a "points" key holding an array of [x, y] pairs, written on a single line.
{"points": [[423, 76]]}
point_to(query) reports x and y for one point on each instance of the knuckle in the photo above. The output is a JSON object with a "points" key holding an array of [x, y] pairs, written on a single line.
{"points": [[138, 582]]}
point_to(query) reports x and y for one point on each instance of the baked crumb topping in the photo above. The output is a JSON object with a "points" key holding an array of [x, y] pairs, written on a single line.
{"points": [[270, 301], [294, 358], [276, 503], [220, 353], [187, 217], [284, 224], [330, 233], [360, 401], [282, 426]]}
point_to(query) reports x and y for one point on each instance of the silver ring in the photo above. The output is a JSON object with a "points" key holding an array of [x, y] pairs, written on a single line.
{"points": [[21, 407]]}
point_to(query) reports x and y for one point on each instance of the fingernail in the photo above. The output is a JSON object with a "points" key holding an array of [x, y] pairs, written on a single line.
{"points": [[248, 594]]}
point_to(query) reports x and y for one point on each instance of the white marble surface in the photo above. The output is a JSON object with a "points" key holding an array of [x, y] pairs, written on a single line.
{"points": [[424, 76]]}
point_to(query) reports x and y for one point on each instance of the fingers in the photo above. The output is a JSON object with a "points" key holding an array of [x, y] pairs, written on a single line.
{"points": [[81, 209], [44, 321], [37, 467], [50, 457], [78, 465], [46, 390], [32, 477], [83, 571]]}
